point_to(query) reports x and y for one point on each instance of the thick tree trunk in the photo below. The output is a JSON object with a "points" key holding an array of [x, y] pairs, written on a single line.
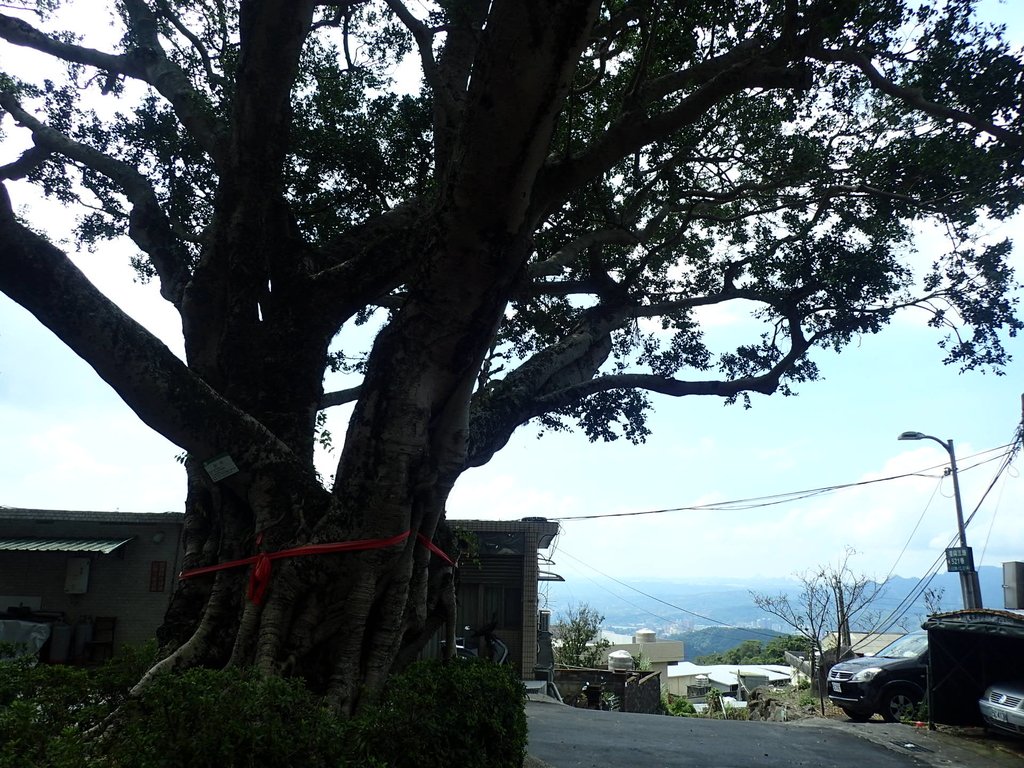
{"points": [[343, 620], [259, 309]]}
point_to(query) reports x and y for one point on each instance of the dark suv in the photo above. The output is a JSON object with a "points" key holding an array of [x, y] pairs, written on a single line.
{"points": [[891, 683]]}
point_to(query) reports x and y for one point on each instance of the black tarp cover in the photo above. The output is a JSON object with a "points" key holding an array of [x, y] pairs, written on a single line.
{"points": [[968, 651]]}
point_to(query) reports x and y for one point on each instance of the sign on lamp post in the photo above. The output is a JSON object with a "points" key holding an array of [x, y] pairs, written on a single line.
{"points": [[959, 560]]}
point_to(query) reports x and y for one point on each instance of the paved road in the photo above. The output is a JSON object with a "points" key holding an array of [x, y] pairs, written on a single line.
{"points": [[565, 737]]}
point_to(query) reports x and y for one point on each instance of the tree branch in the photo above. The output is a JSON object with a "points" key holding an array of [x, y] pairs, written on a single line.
{"points": [[563, 375], [914, 98], [340, 397], [146, 62], [197, 45], [368, 262], [149, 227], [30, 159], [571, 253], [765, 384], [164, 393], [632, 131], [424, 38]]}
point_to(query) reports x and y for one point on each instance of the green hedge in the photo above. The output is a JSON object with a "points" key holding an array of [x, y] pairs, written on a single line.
{"points": [[467, 713], [219, 719]]}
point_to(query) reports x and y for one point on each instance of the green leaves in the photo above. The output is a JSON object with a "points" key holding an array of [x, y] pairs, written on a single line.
{"points": [[706, 155], [578, 635]]}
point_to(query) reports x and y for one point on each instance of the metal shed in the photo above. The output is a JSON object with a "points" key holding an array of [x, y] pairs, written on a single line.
{"points": [[969, 650]]}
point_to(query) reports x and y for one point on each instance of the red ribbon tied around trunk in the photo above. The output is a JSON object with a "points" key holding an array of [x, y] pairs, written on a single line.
{"points": [[259, 577]]}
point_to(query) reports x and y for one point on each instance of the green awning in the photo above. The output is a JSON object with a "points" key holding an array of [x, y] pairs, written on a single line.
{"points": [[101, 546]]}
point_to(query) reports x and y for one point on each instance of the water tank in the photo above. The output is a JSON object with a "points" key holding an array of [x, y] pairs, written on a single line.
{"points": [[620, 661], [644, 636]]}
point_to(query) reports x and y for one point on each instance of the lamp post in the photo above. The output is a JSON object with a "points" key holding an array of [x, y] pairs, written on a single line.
{"points": [[969, 585]]}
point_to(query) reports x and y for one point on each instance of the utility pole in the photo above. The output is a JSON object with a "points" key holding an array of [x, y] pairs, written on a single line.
{"points": [[962, 561]]}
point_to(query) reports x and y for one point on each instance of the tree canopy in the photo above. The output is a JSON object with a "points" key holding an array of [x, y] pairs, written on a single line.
{"points": [[535, 226], [578, 638], [757, 652]]}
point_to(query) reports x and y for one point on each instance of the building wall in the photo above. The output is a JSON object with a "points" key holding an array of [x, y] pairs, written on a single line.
{"points": [[513, 572], [119, 584], [678, 686], [661, 654]]}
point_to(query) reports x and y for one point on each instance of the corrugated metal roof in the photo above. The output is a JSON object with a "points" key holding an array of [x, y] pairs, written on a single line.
{"points": [[103, 546], [41, 515]]}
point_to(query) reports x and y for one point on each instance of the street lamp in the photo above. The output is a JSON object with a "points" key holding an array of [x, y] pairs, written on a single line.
{"points": [[969, 585]]}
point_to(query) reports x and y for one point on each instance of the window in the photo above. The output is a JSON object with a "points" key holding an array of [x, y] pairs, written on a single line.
{"points": [[157, 575]]}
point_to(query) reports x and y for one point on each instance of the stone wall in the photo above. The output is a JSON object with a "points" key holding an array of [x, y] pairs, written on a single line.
{"points": [[635, 691], [643, 694]]}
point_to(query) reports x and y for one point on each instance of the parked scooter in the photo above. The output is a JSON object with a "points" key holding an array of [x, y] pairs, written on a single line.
{"points": [[482, 644]]}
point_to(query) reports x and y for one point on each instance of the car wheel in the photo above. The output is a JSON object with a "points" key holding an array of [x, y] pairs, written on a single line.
{"points": [[857, 717], [898, 704]]}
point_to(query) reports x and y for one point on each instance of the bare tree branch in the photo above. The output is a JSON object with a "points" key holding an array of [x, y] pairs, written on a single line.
{"points": [[340, 397], [424, 38], [197, 45]]}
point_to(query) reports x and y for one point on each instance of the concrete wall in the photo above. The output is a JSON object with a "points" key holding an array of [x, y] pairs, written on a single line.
{"points": [[119, 584], [661, 654]]}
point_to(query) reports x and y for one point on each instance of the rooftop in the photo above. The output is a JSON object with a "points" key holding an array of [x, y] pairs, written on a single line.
{"points": [[67, 515], [727, 674]]}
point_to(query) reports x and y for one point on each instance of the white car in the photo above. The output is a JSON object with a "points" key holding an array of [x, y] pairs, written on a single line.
{"points": [[1002, 707]]}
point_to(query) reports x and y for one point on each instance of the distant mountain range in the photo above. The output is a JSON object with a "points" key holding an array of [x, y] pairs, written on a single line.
{"points": [[677, 607]]}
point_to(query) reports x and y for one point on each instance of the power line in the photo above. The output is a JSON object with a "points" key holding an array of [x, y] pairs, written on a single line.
{"points": [[616, 595], [895, 614], [758, 502], [911, 598], [670, 605], [910, 538]]}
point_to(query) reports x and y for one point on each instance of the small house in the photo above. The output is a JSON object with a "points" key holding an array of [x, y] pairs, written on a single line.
{"points": [[87, 582]]}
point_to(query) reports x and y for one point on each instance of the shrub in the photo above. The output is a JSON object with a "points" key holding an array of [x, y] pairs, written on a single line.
{"points": [[225, 718], [808, 699], [465, 713], [680, 707], [43, 711], [916, 714], [434, 715], [715, 705], [201, 718]]}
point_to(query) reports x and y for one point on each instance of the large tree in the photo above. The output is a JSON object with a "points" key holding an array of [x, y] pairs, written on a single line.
{"points": [[535, 231]]}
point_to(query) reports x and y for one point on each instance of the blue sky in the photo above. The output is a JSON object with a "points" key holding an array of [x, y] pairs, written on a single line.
{"points": [[69, 442]]}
